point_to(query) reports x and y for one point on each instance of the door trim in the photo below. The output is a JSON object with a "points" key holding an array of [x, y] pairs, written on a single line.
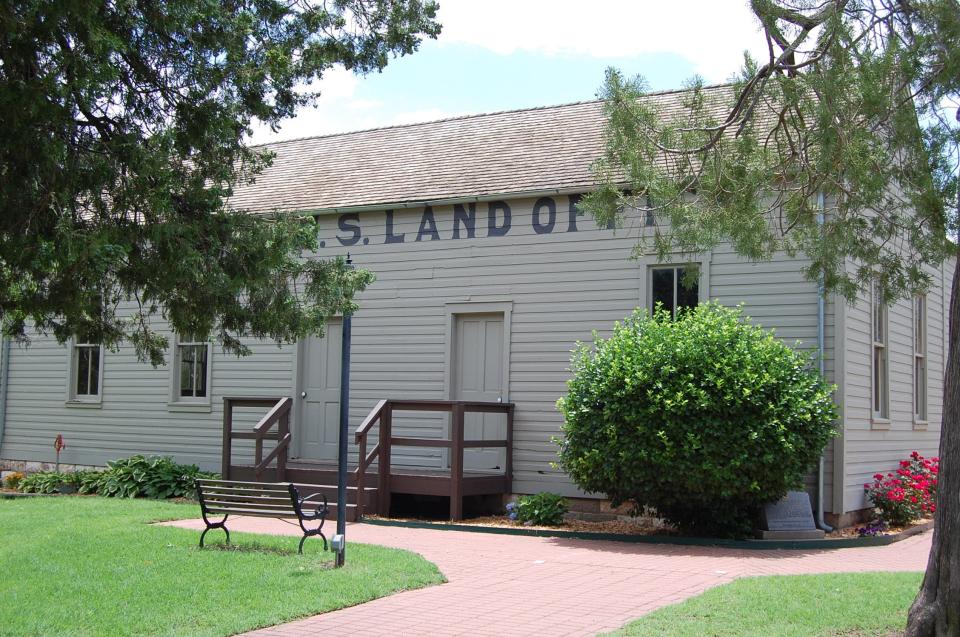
{"points": [[453, 310]]}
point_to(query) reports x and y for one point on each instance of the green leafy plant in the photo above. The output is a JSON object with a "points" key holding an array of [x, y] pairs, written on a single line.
{"points": [[12, 480], [86, 481], [42, 482], [704, 418], [152, 477], [542, 509]]}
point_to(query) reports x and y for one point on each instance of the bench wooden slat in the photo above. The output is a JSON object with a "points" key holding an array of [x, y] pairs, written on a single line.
{"points": [[226, 493], [241, 483], [274, 493], [213, 499], [287, 512]]}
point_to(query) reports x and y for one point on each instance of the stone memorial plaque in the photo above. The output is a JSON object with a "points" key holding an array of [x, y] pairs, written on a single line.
{"points": [[792, 513]]}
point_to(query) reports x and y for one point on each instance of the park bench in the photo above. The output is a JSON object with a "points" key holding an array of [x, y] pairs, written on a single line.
{"points": [[259, 499]]}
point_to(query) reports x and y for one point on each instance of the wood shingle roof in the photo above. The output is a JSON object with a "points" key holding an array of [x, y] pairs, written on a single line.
{"points": [[496, 154]]}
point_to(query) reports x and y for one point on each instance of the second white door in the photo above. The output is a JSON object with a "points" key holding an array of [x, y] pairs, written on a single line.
{"points": [[478, 376]]}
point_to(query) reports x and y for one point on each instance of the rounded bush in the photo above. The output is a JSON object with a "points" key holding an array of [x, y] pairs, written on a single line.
{"points": [[704, 418]]}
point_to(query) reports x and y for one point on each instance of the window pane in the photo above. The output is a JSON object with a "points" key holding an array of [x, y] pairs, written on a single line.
{"points": [[688, 296], [879, 310], [919, 329], [663, 281], [876, 380], [200, 375], [94, 355], [82, 355], [920, 387], [186, 370]]}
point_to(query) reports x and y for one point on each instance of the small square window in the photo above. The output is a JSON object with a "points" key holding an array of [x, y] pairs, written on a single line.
{"points": [[674, 287], [190, 376], [86, 371]]}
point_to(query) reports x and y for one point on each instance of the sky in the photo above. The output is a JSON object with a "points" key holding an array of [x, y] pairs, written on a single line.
{"points": [[495, 55]]}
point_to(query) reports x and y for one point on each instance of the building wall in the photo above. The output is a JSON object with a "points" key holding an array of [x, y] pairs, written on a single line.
{"points": [[873, 446], [134, 415], [561, 277]]}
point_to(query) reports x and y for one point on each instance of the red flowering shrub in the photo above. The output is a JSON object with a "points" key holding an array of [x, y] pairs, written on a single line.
{"points": [[908, 493]]}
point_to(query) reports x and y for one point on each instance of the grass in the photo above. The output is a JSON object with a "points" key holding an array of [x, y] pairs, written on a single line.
{"points": [[93, 566], [848, 605]]}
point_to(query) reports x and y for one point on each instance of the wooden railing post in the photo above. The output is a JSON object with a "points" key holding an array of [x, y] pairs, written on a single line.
{"points": [[508, 466], [282, 457], [257, 456], [383, 481], [456, 464], [361, 470], [225, 450]]}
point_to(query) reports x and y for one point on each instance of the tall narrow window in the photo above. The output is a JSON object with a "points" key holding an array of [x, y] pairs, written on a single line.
{"points": [[85, 370], [674, 287], [881, 385], [193, 358], [920, 358]]}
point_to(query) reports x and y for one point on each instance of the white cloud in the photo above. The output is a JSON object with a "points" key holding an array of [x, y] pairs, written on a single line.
{"points": [[330, 114], [712, 34]]}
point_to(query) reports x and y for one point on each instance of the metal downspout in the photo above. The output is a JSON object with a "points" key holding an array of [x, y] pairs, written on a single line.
{"points": [[4, 381], [821, 354]]}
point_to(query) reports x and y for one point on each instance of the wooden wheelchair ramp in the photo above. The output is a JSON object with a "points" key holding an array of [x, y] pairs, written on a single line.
{"points": [[372, 479]]}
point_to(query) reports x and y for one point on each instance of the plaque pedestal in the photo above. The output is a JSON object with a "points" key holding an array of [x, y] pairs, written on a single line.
{"points": [[790, 518]]}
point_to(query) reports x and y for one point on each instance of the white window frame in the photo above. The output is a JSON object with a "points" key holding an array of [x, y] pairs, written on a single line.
{"points": [[189, 403], [879, 379], [73, 361], [921, 390], [648, 281]]}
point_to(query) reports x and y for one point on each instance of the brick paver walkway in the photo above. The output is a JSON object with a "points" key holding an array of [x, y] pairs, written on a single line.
{"points": [[502, 585]]}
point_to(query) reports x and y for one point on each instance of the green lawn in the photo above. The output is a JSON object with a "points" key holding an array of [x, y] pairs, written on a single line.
{"points": [[849, 605], [93, 566]]}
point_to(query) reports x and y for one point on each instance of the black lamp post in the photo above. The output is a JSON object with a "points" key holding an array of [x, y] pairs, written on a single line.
{"points": [[339, 543]]}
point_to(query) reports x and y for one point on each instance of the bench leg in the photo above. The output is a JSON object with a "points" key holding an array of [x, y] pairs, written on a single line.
{"points": [[311, 534], [222, 524]]}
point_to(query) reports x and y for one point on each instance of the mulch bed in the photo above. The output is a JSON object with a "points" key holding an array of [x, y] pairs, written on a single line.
{"points": [[639, 526]]}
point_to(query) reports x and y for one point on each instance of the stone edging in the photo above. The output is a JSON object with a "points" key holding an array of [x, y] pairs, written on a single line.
{"points": [[756, 545]]}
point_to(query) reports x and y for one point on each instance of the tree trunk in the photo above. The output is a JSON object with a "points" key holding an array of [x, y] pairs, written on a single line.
{"points": [[936, 610]]}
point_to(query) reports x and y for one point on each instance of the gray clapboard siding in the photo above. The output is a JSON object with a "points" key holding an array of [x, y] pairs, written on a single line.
{"points": [[877, 448], [134, 415]]}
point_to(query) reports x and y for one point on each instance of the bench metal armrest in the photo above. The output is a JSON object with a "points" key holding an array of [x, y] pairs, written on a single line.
{"points": [[322, 508]]}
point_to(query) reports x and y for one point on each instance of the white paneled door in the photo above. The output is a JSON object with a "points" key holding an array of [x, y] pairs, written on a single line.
{"points": [[478, 376], [318, 430]]}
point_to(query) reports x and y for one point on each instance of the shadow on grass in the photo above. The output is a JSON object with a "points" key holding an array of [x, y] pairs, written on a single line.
{"points": [[257, 547]]}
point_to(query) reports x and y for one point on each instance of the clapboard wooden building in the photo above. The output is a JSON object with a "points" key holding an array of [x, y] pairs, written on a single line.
{"points": [[487, 274]]}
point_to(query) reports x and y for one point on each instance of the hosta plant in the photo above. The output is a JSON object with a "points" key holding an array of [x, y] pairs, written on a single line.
{"points": [[542, 509]]}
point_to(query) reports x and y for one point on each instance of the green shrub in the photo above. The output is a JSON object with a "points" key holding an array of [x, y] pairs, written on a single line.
{"points": [[152, 477], [542, 509], [42, 482], [12, 481], [704, 418]]}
